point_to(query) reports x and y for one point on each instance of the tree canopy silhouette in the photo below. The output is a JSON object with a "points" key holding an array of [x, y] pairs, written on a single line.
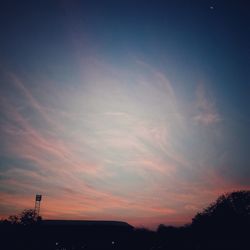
{"points": [[26, 218], [229, 214], [29, 217], [235, 203], [13, 219]]}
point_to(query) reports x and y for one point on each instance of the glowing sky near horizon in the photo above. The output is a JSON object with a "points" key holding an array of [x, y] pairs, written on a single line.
{"points": [[116, 119]]}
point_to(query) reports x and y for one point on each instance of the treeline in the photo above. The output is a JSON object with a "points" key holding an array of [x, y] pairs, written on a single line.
{"points": [[224, 224]]}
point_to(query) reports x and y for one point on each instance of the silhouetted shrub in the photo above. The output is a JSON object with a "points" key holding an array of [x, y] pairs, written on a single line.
{"points": [[225, 223], [228, 209], [26, 217], [29, 217], [13, 219]]}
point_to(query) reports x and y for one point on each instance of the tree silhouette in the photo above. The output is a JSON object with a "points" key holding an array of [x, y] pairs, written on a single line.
{"points": [[230, 207], [29, 217], [13, 219], [224, 223], [26, 218]]}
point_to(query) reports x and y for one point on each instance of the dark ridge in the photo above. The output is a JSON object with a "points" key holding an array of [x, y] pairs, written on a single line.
{"points": [[85, 223]]}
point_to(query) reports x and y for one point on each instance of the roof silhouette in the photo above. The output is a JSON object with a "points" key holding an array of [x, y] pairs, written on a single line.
{"points": [[85, 223]]}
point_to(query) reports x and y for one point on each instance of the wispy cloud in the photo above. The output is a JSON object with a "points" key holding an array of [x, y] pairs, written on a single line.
{"points": [[207, 113], [114, 145]]}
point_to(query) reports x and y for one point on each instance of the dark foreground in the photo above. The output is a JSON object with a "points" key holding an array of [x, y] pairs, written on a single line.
{"points": [[119, 236], [223, 225]]}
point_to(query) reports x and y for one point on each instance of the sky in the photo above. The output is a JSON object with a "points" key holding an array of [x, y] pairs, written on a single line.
{"points": [[123, 110]]}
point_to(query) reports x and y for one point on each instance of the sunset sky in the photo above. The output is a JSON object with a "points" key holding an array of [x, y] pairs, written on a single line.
{"points": [[123, 110]]}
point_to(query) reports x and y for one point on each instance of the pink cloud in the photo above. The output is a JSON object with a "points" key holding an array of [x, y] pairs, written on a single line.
{"points": [[108, 152]]}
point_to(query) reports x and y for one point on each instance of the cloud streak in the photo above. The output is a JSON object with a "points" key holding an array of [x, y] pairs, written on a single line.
{"points": [[115, 145], [207, 113]]}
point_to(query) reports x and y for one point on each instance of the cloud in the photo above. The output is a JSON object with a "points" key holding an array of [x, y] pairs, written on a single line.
{"points": [[114, 145], [206, 108]]}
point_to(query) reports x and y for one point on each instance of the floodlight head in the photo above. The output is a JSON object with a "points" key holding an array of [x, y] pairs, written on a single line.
{"points": [[38, 197]]}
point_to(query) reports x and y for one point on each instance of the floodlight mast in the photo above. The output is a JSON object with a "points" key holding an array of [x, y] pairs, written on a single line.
{"points": [[37, 204]]}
